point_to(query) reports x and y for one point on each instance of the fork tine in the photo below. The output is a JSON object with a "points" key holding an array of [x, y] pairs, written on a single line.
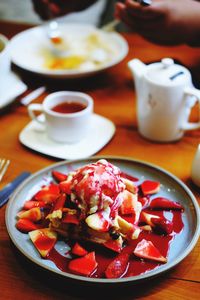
{"points": [[4, 163]]}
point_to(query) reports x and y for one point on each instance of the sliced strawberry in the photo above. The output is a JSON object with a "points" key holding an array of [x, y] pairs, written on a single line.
{"points": [[57, 211], [163, 203], [129, 203], [58, 176], [79, 250], [114, 245], [158, 223], [163, 225], [25, 225], [84, 265], [65, 186], [33, 214], [146, 249], [131, 231], [118, 266], [48, 194], [150, 187], [60, 202], [44, 240], [31, 204], [71, 219], [147, 218], [144, 201]]}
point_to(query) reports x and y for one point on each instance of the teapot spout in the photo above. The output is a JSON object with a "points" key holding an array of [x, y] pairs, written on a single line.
{"points": [[137, 69]]}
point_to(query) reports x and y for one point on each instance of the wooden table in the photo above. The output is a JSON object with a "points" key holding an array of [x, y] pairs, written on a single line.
{"points": [[114, 98]]}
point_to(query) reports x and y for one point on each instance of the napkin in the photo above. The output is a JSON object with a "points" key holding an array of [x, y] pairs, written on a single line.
{"points": [[11, 87]]}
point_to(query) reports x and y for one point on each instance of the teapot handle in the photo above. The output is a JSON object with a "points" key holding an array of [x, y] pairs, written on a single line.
{"points": [[194, 96]]}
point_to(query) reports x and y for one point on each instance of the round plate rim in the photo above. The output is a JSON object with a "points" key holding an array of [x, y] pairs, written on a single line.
{"points": [[73, 73], [133, 279]]}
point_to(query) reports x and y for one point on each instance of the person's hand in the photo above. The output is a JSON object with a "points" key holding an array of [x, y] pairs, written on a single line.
{"points": [[164, 21], [48, 9]]}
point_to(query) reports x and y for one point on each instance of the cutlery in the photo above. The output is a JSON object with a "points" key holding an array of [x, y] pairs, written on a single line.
{"points": [[110, 26], [57, 44], [4, 163], [144, 2], [33, 95], [6, 192]]}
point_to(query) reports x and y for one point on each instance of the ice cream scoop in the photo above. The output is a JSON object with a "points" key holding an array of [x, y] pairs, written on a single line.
{"points": [[97, 186]]}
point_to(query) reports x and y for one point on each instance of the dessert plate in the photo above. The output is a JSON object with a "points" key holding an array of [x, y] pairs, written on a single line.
{"points": [[31, 48], [171, 187], [101, 131]]}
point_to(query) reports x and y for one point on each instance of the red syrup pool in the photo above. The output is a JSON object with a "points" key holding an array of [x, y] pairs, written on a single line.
{"points": [[136, 266]]}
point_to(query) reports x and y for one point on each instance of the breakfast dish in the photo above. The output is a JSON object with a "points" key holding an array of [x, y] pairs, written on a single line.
{"points": [[117, 220], [81, 51]]}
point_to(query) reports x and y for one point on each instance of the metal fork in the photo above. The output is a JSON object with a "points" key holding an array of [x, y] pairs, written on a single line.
{"points": [[4, 163]]}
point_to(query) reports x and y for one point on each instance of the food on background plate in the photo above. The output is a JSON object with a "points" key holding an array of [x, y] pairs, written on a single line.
{"points": [[79, 52], [115, 225]]}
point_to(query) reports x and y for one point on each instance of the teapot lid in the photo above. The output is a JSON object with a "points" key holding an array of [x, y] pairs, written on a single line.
{"points": [[167, 72]]}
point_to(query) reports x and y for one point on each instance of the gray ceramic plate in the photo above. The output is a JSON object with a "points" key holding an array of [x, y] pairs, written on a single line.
{"points": [[171, 187]]}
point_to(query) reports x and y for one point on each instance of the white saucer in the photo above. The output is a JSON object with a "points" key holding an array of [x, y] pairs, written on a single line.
{"points": [[102, 130], [11, 87]]}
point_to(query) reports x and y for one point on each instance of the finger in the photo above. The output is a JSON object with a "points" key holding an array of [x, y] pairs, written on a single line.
{"points": [[41, 8], [118, 9], [144, 12], [136, 23]]}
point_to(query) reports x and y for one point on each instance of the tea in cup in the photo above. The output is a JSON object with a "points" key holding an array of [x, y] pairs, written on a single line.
{"points": [[67, 115], [4, 55]]}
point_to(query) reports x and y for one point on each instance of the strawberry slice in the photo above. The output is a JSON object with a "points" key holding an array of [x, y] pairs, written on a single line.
{"points": [[147, 218], [31, 204], [44, 240], [163, 225], [150, 187], [33, 214], [146, 249], [79, 250], [60, 202], [158, 223], [58, 176], [70, 219], [65, 186], [163, 203], [144, 201], [25, 225], [48, 194], [129, 203], [114, 245], [118, 266], [84, 265]]}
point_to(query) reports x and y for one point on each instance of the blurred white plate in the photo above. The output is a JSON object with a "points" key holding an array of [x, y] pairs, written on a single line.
{"points": [[27, 49], [101, 131]]}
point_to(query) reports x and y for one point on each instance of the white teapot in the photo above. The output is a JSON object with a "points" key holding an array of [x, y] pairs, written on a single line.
{"points": [[165, 96]]}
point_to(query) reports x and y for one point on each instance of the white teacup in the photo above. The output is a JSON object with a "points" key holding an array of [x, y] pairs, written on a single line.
{"points": [[68, 126], [4, 55]]}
